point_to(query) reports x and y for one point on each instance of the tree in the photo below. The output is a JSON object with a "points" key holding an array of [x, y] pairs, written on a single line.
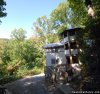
{"points": [[17, 39], [59, 17], [92, 28], [68, 14], [18, 34], [89, 39], [45, 34], [43, 28], [78, 14], [2, 9], [23, 50], [9, 54], [20, 54], [3, 43]]}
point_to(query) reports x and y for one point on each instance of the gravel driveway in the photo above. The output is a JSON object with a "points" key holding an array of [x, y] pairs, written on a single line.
{"points": [[35, 85], [29, 85]]}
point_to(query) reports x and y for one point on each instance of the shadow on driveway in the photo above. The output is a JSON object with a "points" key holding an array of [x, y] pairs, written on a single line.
{"points": [[29, 85]]}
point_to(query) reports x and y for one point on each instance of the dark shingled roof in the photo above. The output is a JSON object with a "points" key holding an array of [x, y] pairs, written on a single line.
{"points": [[68, 30], [53, 45]]}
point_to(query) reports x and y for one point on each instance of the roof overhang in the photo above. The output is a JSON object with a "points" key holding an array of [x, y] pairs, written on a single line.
{"points": [[70, 30], [53, 46]]}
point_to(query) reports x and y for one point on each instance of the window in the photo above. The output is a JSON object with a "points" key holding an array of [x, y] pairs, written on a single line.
{"points": [[66, 46], [52, 50], [68, 59], [65, 35], [71, 33], [73, 45], [56, 50], [75, 59], [53, 61]]}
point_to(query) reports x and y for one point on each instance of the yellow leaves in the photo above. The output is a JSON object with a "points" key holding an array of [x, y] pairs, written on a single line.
{"points": [[13, 67], [9, 68]]}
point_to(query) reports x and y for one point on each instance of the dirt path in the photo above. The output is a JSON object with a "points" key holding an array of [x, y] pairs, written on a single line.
{"points": [[28, 85]]}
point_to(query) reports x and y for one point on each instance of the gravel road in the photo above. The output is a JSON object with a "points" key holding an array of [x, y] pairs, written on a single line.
{"points": [[29, 85], [34, 85]]}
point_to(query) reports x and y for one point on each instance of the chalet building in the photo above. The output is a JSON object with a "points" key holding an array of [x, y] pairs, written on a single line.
{"points": [[67, 48], [63, 53]]}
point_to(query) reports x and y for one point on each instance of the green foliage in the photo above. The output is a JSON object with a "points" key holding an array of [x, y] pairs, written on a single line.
{"points": [[78, 15], [3, 50], [91, 35], [19, 57], [2, 46], [70, 13], [43, 28], [2, 9], [89, 39], [59, 16], [60, 13], [18, 35]]}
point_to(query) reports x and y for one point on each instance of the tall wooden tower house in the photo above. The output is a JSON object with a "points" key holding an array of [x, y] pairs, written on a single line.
{"points": [[71, 46]]}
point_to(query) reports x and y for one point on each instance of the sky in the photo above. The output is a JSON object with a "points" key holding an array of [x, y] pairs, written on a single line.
{"points": [[22, 14]]}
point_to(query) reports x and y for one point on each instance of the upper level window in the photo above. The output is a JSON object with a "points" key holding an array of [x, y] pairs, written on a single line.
{"points": [[75, 59], [73, 45], [65, 35], [66, 46], [71, 33]]}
